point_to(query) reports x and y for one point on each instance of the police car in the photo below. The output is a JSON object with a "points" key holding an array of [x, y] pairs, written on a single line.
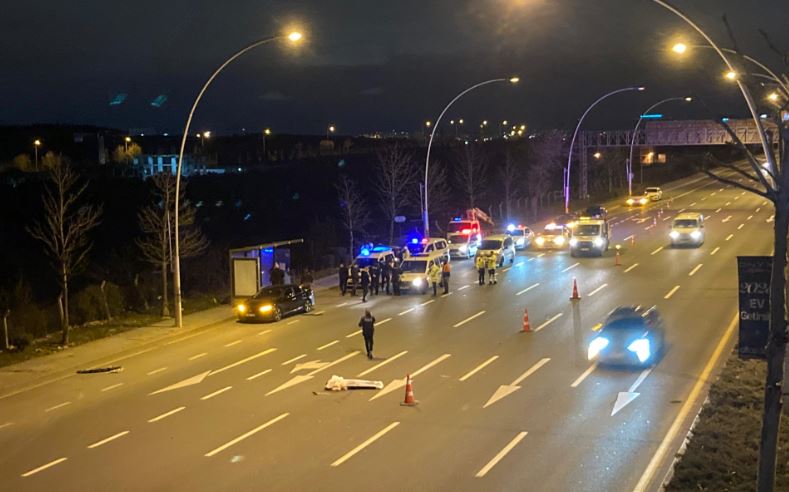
{"points": [[522, 235], [369, 256]]}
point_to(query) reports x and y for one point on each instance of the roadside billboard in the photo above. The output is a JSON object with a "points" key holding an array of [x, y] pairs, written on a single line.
{"points": [[754, 289]]}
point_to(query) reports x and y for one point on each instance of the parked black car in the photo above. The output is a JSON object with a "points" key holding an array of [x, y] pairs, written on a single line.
{"points": [[274, 302]]}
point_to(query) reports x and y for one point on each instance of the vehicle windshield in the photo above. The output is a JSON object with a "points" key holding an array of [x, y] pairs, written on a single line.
{"points": [[459, 226], [587, 230], [365, 262], [490, 244], [552, 231], [686, 223], [517, 233], [626, 323], [458, 238], [417, 266], [266, 292], [415, 249], [652, 190]]}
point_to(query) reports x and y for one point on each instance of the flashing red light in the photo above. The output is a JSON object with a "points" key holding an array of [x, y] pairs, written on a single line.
{"points": [[424, 241], [466, 231]]}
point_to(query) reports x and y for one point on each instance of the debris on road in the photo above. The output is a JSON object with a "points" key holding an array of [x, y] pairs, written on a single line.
{"points": [[96, 370], [338, 383]]}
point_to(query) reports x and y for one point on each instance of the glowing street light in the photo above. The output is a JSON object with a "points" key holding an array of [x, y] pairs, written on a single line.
{"points": [[773, 97], [679, 48], [597, 155], [36, 145], [295, 37], [731, 75], [267, 131], [427, 123]]}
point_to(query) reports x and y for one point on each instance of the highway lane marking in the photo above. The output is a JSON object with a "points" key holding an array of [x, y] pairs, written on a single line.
{"points": [[703, 198], [726, 219], [396, 384], [527, 289], [109, 439], [485, 469], [353, 334], [110, 388], [2, 426], [293, 359], [156, 371], [720, 189], [266, 331], [631, 267], [771, 218], [639, 380], [551, 320], [727, 204], [343, 304], [288, 323], [584, 375], [681, 210], [244, 361], [461, 323], [668, 217], [692, 204], [233, 343], [464, 287], [328, 345], [671, 292], [60, 405], [718, 210], [317, 313], [628, 238], [715, 251], [656, 251], [299, 378], [165, 415], [216, 393], [447, 294], [757, 210], [406, 311], [598, 290], [749, 217], [44, 467], [570, 267], [687, 407], [245, 435], [478, 368], [737, 197], [428, 302], [261, 373], [363, 445], [427, 366], [729, 236], [381, 364], [379, 323], [696, 269], [194, 357], [740, 226]]}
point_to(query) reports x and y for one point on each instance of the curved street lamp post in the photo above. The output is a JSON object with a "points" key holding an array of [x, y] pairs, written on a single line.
{"points": [[425, 216], [293, 37]]}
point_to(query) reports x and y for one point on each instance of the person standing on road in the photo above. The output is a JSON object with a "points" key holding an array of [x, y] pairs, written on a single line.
{"points": [[446, 271], [354, 278], [306, 278], [276, 275], [396, 280], [386, 273], [480, 263], [491, 261], [434, 275], [375, 277], [365, 284], [367, 324], [342, 273]]}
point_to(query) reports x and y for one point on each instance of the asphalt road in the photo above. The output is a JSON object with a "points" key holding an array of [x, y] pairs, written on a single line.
{"points": [[498, 409]]}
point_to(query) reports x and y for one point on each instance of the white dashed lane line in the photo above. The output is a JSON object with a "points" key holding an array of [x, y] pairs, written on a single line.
{"points": [[44, 467], [109, 439], [461, 323], [328, 344], [363, 445], [60, 405], [478, 368], [485, 469], [631, 267], [549, 321], [598, 290], [156, 371], [657, 251], [165, 415], [110, 388], [233, 343], [671, 292], [527, 289], [715, 251], [696, 269], [570, 267], [216, 393], [261, 373], [729, 236], [293, 359], [194, 357]]}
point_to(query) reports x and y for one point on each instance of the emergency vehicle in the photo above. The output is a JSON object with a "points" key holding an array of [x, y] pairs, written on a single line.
{"points": [[589, 236]]}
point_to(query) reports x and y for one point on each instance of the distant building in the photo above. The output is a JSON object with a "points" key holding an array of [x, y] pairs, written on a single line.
{"points": [[151, 164]]}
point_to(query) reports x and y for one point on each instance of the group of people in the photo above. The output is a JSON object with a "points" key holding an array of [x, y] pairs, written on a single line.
{"points": [[370, 280], [487, 263]]}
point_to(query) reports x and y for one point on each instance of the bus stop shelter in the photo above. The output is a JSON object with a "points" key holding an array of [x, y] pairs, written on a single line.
{"points": [[250, 266]]}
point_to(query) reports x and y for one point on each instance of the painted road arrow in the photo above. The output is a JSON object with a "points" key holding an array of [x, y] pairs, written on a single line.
{"points": [[399, 383], [624, 398], [313, 364], [306, 377], [508, 389], [183, 384]]}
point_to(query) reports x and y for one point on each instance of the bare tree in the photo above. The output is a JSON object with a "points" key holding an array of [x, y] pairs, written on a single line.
{"points": [[355, 214], [64, 231], [157, 224], [125, 153], [545, 163], [23, 162], [472, 173], [437, 191], [395, 175], [510, 174]]}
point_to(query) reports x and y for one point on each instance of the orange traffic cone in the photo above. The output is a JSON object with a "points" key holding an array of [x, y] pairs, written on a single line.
{"points": [[409, 393], [618, 260], [526, 324], [575, 291]]}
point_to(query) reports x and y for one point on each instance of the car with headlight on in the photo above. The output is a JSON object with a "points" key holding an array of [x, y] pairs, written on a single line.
{"points": [[521, 235], [273, 302], [589, 236], [637, 201], [463, 244], [501, 246], [414, 275], [630, 336], [653, 193], [553, 236], [687, 229]]}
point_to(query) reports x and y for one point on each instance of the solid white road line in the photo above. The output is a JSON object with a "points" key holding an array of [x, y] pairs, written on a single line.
{"points": [[690, 402], [245, 435], [696, 269], [244, 361], [215, 393], [366, 443], [198, 356], [468, 319], [165, 415], [43, 467], [671, 292], [485, 469], [353, 334], [406, 311], [598, 290], [261, 373], [729, 236], [584, 375], [328, 345], [657, 251], [293, 359], [478, 368], [570, 267], [715, 251], [105, 441], [631, 267], [110, 388], [381, 364], [428, 302], [266, 331], [61, 405], [551, 320], [527, 289], [156, 371], [233, 343]]}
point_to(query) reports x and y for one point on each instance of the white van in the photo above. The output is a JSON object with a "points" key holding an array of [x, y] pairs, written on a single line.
{"points": [[500, 245], [414, 276], [687, 228], [428, 246]]}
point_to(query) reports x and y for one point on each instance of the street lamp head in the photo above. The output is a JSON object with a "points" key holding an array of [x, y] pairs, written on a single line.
{"points": [[332, 128], [597, 155], [428, 123], [731, 75], [515, 80], [484, 122], [295, 37], [460, 121], [773, 96], [679, 48], [641, 88], [688, 99], [128, 139], [267, 131], [37, 143], [207, 134], [504, 122]]}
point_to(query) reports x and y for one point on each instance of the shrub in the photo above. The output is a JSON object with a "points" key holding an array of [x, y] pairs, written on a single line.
{"points": [[88, 304]]}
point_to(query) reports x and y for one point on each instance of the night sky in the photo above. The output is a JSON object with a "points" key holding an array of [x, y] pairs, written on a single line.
{"points": [[367, 65]]}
